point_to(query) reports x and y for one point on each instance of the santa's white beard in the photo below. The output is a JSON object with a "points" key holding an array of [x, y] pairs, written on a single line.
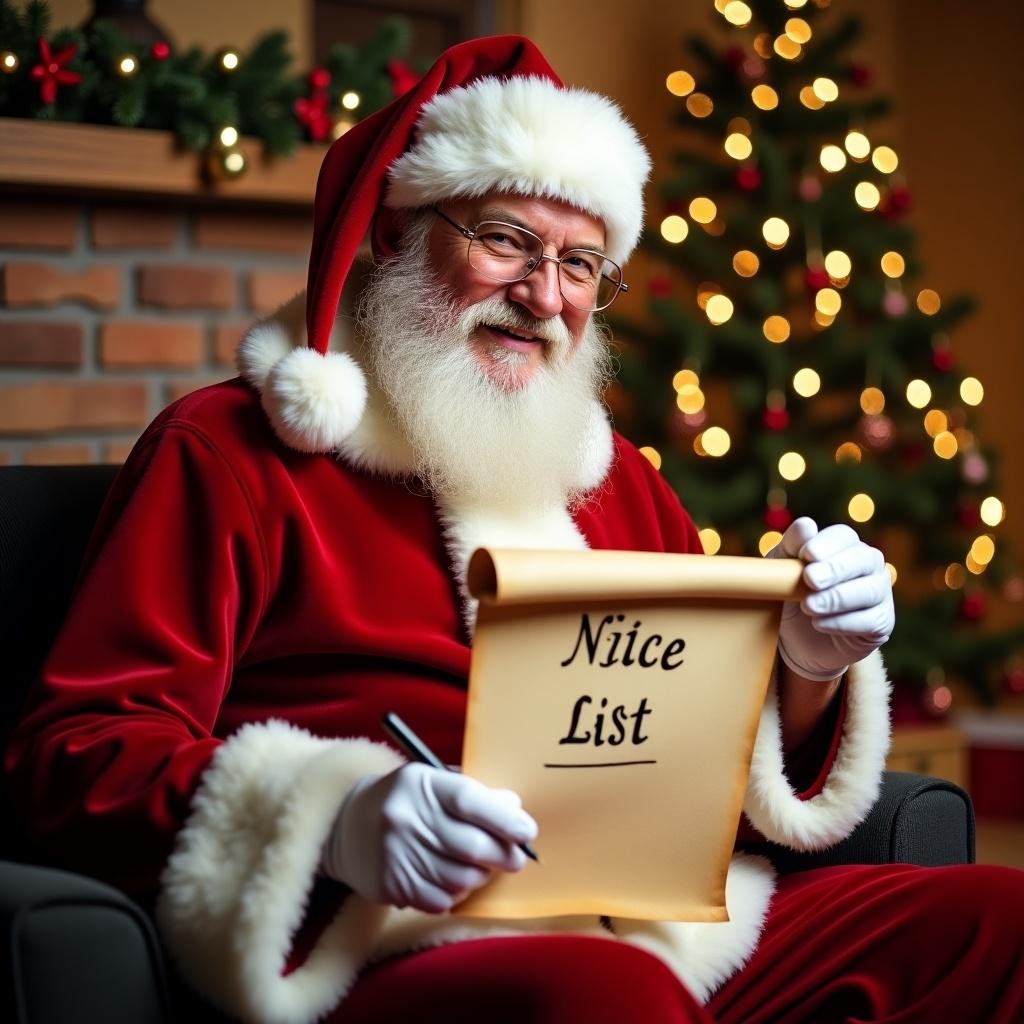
{"points": [[478, 436]]}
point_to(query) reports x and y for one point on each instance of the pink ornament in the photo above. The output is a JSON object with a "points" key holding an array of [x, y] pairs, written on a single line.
{"points": [[974, 468], [809, 189], [753, 67], [876, 432], [895, 303]]}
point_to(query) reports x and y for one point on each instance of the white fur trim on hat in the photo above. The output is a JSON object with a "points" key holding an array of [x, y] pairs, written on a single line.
{"points": [[852, 785], [528, 136]]}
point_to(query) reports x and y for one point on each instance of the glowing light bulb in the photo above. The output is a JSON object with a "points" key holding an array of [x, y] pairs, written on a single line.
{"points": [[848, 451], [737, 13], [684, 377], [838, 264], [703, 210], [776, 329], [825, 89], [928, 301], [935, 422], [893, 575], [127, 66], [810, 99], [867, 195], [699, 105], [828, 301], [787, 48], [776, 232], [674, 229], [652, 455], [229, 60], [832, 158], [716, 441], [798, 30], [954, 576], [919, 393], [971, 391], [710, 541], [893, 264], [792, 466], [861, 508], [738, 146], [983, 549], [767, 541], [993, 511], [872, 401], [764, 97], [945, 445], [228, 136], [806, 382], [350, 100], [857, 145], [885, 159], [745, 263], [690, 399], [680, 83], [719, 309]]}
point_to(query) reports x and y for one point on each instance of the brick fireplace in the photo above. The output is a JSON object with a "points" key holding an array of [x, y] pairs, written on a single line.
{"points": [[126, 280]]}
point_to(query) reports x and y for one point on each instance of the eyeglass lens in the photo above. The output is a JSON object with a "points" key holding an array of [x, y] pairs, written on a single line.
{"points": [[503, 252]]}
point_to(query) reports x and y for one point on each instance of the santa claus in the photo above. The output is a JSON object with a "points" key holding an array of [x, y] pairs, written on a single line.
{"points": [[283, 560]]}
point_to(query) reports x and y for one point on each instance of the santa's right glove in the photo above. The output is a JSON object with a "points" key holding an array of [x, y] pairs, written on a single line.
{"points": [[425, 838]]}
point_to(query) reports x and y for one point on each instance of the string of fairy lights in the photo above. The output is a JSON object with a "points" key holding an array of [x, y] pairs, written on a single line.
{"points": [[875, 179]]}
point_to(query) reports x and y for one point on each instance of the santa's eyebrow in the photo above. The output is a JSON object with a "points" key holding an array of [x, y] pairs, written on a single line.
{"points": [[497, 213]]}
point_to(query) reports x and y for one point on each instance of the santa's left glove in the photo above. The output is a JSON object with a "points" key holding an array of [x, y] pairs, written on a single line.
{"points": [[849, 613], [424, 838]]}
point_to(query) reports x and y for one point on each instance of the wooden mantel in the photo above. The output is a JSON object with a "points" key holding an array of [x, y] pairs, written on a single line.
{"points": [[47, 155]]}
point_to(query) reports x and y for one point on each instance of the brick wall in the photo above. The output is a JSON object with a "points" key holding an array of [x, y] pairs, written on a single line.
{"points": [[109, 312]]}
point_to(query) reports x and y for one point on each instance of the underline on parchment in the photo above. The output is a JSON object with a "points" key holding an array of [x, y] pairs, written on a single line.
{"points": [[601, 764]]}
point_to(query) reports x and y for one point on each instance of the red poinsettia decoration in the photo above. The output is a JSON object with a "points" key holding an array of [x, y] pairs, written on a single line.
{"points": [[403, 78], [52, 72], [313, 114]]}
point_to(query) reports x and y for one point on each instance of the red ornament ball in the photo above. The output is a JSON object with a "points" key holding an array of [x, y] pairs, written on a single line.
{"points": [[160, 50], [942, 359], [816, 278], [1013, 681], [777, 517], [660, 286], [860, 75], [319, 78], [896, 203], [748, 178], [734, 57], [973, 606], [775, 419], [968, 514]]}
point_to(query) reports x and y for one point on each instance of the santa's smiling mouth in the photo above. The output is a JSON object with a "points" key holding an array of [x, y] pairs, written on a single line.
{"points": [[516, 340]]}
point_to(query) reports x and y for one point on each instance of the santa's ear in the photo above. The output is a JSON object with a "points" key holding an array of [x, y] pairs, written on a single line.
{"points": [[386, 232]]}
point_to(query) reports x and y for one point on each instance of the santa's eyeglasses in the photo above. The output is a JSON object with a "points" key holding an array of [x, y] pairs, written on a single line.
{"points": [[588, 280]]}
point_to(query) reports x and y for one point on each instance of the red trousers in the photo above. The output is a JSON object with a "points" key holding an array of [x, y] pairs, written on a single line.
{"points": [[890, 943]]}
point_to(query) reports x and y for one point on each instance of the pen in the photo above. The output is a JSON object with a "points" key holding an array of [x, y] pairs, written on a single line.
{"points": [[418, 750]]}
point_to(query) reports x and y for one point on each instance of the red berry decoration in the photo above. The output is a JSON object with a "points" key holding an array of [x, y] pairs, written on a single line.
{"points": [[1013, 681], [973, 606], [816, 278], [777, 517], [403, 78], [313, 116], [160, 50], [51, 72], [660, 286], [748, 178], [860, 75], [942, 359], [775, 419], [319, 78]]}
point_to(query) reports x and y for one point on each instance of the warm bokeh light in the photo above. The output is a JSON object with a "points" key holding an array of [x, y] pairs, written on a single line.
{"points": [[848, 451], [821, 320], [652, 455], [857, 145], [993, 511], [764, 97], [872, 401], [954, 576], [745, 263], [710, 541], [738, 146], [861, 508], [867, 195], [806, 382], [704, 292], [715, 441], [128, 66], [719, 309], [893, 574], [228, 136], [885, 159], [674, 228], [763, 45], [703, 210], [351, 100], [737, 13], [767, 541], [690, 399], [971, 391], [810, 99], [229, 60], [776, 232], [683, 377], [798, 30], [919, 393], [832, 158], [838, 264], [787, 48], [983, 549], [699, 104], [825, 89], [792, 466], [680, 83], [935, 422], [893, 264], [828, 301], [945, 445], [928, 301], [776, 329]]}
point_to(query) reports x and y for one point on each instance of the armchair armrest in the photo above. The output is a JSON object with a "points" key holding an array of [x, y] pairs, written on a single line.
{"points": [[75, 949], [916, 820]]}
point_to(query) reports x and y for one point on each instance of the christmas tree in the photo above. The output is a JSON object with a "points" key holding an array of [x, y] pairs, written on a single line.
{"points": [[794, 360]]}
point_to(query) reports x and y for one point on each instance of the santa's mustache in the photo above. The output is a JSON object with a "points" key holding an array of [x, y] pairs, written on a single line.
{"points": [[496, 312]]}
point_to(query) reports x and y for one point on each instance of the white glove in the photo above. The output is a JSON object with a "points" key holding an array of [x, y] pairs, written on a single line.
{"points": [[851, 612], [424, 838]]}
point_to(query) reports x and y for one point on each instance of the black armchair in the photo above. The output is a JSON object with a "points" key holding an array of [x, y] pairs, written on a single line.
{"points": [[97, 942]]}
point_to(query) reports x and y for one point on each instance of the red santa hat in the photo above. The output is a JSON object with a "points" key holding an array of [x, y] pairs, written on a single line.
{"points": [[490, 115]]}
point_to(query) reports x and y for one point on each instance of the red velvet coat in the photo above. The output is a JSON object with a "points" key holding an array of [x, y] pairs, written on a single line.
{"points": [[233, 581]]}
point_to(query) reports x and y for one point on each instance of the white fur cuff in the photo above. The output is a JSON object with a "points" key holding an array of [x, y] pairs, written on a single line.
{"points": [[235, 889], [852, 785]]}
